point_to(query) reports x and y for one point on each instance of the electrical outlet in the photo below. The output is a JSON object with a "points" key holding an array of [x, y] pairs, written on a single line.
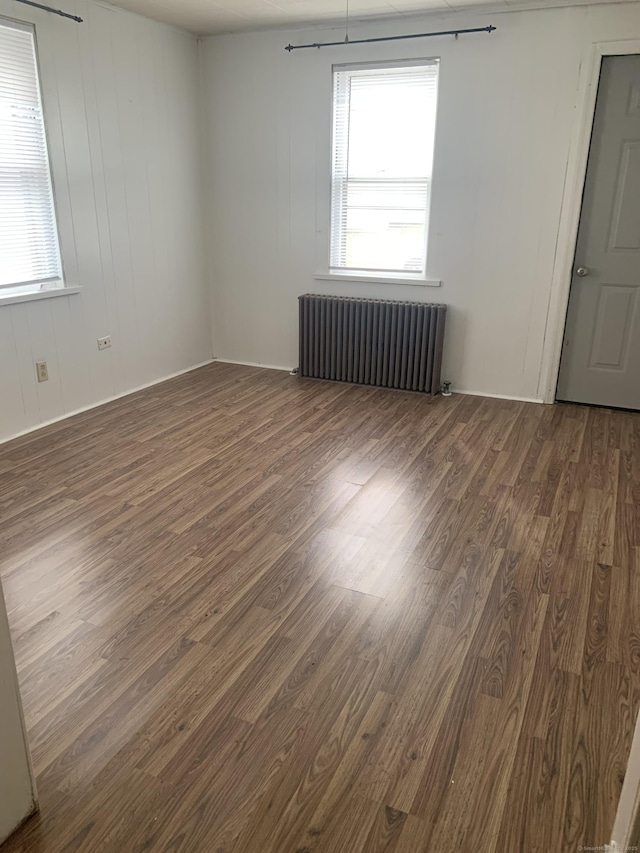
{"points": [[104, 343], [42, 371]]}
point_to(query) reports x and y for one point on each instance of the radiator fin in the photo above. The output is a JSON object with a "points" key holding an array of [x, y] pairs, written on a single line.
{"points": [[372, 341]]}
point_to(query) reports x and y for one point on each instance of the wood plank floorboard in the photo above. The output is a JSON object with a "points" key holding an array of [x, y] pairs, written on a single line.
{"points": [[258, 614]]}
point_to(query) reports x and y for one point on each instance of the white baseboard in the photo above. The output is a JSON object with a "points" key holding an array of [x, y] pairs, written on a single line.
{"points": [[456, 391], [223, 361], [252, 364], [499, 396], [105, 401]]}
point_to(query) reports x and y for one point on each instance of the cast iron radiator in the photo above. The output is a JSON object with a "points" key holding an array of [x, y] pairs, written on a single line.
{"points": [[372, 341]]}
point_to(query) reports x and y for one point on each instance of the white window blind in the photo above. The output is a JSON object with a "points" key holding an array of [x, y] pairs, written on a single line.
{"points": [[29, 250], [383, 136]]}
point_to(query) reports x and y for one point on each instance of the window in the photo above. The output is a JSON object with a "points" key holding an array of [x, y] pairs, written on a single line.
{"points": [[383, 136], [29, 250]]}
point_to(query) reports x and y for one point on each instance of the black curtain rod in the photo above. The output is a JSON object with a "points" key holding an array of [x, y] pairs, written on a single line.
{"points": [[347, 40], [50, 9]]}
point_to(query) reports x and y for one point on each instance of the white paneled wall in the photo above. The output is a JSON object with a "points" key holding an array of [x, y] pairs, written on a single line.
{"points": [[506, 120], [121, 98]]}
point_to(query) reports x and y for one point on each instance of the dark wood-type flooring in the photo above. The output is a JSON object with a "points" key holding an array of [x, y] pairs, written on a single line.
{"points": [[255, 613]]}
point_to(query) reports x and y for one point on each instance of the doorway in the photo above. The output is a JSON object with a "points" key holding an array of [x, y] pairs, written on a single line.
{"points": [[600, 361]]}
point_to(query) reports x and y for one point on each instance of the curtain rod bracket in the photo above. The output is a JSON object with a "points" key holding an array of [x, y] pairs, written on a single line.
{"points": [[456, 33], [53, 11]]}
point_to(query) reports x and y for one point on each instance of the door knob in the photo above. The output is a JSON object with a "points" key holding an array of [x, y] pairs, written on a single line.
{"points": [[582, 271]]}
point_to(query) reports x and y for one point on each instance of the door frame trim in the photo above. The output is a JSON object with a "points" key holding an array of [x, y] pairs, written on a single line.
{"points": [[571, 209]]}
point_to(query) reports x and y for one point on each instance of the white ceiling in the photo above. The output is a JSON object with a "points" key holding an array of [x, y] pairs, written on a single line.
{"points": [[208, 17]]}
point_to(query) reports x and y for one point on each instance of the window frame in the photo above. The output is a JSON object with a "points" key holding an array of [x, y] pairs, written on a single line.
{"points": [[324, 270], [30, 291]]}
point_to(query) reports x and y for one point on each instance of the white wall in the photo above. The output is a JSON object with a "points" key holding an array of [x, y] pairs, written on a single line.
{"points": [[121, 97], [506, 124], [17, 790]]}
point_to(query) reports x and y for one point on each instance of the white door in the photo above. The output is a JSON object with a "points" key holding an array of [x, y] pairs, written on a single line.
{"points": [[601, 351], [17, 788]]}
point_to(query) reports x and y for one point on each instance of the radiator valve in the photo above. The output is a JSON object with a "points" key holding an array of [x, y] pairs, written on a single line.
{"points": [[445, 389]]}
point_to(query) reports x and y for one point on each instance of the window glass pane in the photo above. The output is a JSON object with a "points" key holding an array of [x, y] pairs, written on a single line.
{"points": [[384, 129], [29, 252]]}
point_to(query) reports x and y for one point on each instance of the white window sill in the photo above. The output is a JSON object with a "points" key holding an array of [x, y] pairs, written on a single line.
{"points": [[377, 279], [38, 294]]}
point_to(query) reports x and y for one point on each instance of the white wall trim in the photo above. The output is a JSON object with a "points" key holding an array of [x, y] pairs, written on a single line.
{"points": [[105, 401], [498, 396], [377, 279], [228, 361], [39, 294], [626, 825], [253, 364], [571, 209], [457, 391], [20, 797], [35, 801]]}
